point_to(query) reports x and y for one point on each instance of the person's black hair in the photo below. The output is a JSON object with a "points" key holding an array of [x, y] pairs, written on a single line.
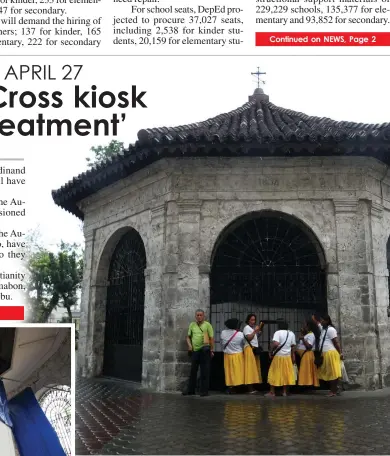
{"points": [[327, 319], [283, 325], [233, 323], [249, 317]]}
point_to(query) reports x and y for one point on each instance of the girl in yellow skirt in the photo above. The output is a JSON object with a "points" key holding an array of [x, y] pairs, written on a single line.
{"points": [[281, 371], [252, 373], [330, 370], [308, 375], [232, 341]]}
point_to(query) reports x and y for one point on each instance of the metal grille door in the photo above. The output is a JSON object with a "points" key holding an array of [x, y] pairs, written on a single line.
{"points": [[273, 296], [125, 309], [271, 266]]}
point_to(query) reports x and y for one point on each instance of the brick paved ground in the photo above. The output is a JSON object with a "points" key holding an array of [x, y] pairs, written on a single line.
{"points": [[116, 418]]}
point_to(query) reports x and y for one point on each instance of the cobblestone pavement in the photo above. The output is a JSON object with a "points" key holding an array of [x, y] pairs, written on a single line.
{"points": [[117, 418]]}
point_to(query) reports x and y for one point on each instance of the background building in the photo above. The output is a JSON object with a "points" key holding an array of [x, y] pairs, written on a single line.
{"points": [[60, 314], [259, 209]]}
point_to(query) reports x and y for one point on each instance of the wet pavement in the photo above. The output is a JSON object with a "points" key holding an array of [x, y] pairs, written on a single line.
{"points": [[117, 418]]}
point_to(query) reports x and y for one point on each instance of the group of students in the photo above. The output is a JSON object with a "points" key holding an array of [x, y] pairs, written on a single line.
{"points": [[317, 353]]}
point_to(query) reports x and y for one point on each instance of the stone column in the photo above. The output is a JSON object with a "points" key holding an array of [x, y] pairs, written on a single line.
{"points": [[381, 294], [85, 344], [355, 320], [204, 289], [181, 288], [153, 323], [333, 291], [169, 282], [93, 313]]}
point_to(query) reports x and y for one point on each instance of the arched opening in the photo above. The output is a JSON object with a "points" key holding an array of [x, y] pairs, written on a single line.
{"points": [[123, 341], [271, 264], [56, 403]]}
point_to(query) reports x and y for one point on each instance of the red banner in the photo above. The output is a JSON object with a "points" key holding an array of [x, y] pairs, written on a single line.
{"points": [[322, 39], [11, 312]]}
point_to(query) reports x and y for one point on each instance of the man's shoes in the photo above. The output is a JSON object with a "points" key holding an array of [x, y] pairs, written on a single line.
{"points": [[203, 394], [187, 393]]}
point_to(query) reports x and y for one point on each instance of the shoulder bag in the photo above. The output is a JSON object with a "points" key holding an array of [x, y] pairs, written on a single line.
{"points": [[279, 347], [256, 350], [206, 340], [228, 342], [318, 357]]}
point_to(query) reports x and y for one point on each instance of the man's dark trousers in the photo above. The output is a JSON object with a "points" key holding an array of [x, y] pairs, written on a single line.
{"points": [[200, 358]]}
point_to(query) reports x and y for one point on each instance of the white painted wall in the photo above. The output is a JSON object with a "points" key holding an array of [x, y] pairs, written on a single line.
{"points": [[6, 441]]}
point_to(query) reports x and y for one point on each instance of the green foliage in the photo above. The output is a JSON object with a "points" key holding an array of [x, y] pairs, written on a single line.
{"points": [[53, 279], [102, 153]]}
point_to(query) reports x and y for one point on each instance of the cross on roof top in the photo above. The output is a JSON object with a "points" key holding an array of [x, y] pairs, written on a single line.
{"points": [[258, 73]]}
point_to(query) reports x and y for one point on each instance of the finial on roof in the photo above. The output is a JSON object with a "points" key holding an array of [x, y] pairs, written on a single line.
{"points": [[258, 73], [259, 94]]}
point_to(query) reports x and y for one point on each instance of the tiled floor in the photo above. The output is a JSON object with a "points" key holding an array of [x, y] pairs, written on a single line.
{"points": [[117, 418]]}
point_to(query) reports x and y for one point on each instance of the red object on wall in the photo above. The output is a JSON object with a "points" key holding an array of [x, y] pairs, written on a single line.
{"points": [[322, 39], [11, 312]]}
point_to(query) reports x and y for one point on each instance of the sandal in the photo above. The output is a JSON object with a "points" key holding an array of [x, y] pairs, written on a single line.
{"points": [[269, 395], [331, 395]]}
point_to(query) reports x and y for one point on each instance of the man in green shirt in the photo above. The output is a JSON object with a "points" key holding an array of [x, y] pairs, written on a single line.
{"points": [[200, 342]]}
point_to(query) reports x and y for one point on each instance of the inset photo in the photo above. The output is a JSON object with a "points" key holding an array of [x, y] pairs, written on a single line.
{"points": [[36, 384]]}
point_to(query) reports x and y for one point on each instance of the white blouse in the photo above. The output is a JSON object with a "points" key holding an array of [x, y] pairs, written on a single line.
{"points": [[287, 338], [247, 331], [331, 333], [301, 345], [310, 338], [236, 345]]}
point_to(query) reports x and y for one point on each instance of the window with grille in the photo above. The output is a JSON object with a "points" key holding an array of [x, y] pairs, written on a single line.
{"points": [[56, 404]]}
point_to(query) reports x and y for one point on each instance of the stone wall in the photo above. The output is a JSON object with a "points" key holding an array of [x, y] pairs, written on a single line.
{"points": [[181, 207], [381, 233]]}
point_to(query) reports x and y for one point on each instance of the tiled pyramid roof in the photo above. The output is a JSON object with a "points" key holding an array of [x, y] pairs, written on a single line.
{"points": [[263, 123], [258, 128]]}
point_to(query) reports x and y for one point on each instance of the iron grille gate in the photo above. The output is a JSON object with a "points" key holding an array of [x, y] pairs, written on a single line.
{"points": [[125, 310], [269, 266], [272, 296]]}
